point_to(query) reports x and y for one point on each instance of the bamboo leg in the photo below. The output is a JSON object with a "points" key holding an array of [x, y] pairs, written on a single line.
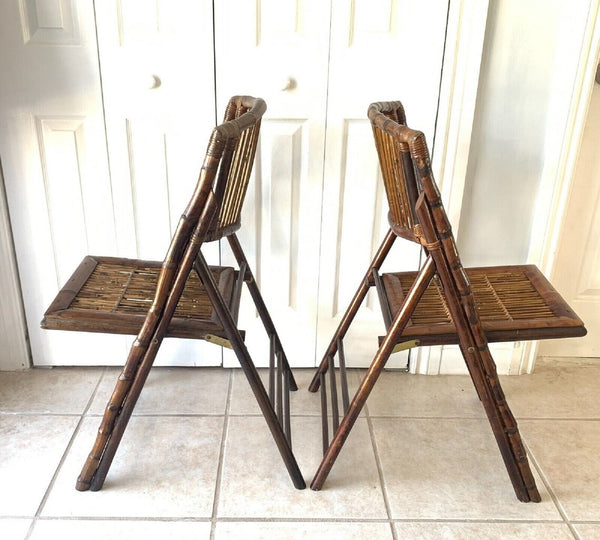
{"points": [[111, 414], [249, 370], [481, 366], [261, 307], [375, 369], [123, 417], [140, 359], [352, 309]]}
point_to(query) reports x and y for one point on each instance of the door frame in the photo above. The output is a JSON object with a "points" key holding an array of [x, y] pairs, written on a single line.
{"points": [[549, 225], [465, 33], [14, 347]]}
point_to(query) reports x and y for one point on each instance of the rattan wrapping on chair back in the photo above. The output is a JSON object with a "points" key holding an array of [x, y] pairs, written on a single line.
{"points": [[396, 166], [232, 182]]}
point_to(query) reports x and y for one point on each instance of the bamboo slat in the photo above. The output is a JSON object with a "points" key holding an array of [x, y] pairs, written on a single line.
{"points": [[512, 302]]}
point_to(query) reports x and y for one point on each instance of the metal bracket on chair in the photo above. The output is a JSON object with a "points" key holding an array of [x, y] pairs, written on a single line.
{"points": [[218, 340], [404, 345]]}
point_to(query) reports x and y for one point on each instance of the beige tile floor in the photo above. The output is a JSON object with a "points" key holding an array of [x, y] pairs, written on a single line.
{"points": [[197, 460]]}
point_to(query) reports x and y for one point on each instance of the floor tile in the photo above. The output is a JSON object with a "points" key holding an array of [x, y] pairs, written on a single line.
{"points": [[449, 469], [255, 482], [172, 391], [588, 531], [567, 452], [564, 391], [483, 531], [407, 395], [164, 467], [43, 390], [263, 530], [14, 529], [31, 448], [120, 530]]}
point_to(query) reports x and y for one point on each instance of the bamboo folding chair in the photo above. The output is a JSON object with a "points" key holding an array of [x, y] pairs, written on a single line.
{"points": [[440, 304], [183, 296]]}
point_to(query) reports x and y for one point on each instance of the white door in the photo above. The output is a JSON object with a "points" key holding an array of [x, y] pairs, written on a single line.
{"points": [[318, 64], [157, 66], [577, 272], [381, 50], [278, 50], [317, 212], [53, 152]]}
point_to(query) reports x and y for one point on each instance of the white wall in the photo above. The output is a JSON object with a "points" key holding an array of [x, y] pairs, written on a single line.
{"points": [[530, 57]]}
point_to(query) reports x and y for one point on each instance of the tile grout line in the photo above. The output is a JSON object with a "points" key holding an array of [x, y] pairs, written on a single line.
{"points": [[380, 473], [217, 493], [64, 455], [548, 486]]}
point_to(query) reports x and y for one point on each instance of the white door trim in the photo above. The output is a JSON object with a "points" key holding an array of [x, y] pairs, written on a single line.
{"points": [[549, 225], [14, 350], [467, 21]]}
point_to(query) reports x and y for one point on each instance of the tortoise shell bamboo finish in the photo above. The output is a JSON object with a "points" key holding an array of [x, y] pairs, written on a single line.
{"points": [[442, 303], [182, 296]]}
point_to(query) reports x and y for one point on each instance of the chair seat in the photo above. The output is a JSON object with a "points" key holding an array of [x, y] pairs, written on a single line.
{"points": [[514, 303], [113, 295]]}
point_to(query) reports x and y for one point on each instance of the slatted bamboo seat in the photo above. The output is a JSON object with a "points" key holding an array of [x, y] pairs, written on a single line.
{"points": [[182, 296], [442, 303], [513, 302], [112, 295]]}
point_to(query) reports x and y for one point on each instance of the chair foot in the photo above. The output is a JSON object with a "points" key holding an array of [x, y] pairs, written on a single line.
{"points": [[82, 485]]}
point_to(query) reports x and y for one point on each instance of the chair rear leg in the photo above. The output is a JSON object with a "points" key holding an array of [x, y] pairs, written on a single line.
{"points": [[263, 312], [353, 307], [381, 357], [241, 351]]}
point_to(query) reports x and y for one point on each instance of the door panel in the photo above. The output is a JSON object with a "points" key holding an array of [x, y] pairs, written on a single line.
{"points": [[118, 150], [156, 60], [577, 273], [280, 53], [54, 162], [380, 51]]}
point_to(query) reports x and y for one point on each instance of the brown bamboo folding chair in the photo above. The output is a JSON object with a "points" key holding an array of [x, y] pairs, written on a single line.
{"points": [[183, 296], [442, 303]]}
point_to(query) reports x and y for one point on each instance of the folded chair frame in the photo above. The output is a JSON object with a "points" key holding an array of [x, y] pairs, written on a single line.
{"points": [[213, 213], [417, 214]]}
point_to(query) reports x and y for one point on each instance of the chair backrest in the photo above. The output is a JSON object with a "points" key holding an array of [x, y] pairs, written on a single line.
{"points": [[416, 209], [395, 143], [406, 170], [240, 129], [214, 208]]}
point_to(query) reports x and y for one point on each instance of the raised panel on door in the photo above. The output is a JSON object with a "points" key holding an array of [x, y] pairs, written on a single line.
{"points": [[53, 149], [381, 50], [157, 65], [279, 53], [577, 273]]}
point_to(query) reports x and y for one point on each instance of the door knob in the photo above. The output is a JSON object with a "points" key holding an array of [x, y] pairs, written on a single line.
{"points": [[153, 81], [289, 84]]}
